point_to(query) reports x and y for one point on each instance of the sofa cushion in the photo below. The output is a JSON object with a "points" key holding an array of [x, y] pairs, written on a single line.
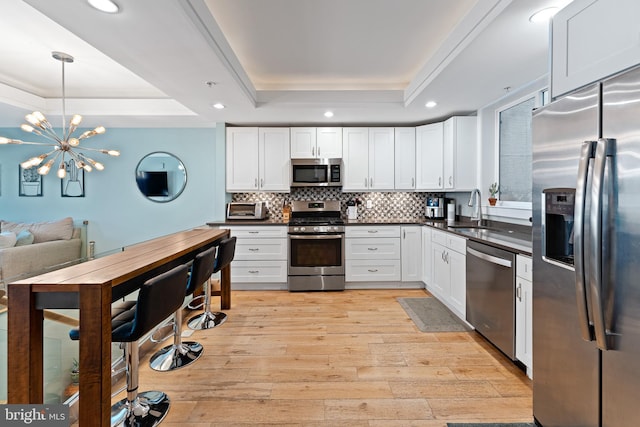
{"points": [[7, 239], [42, 231], [25, 237]]}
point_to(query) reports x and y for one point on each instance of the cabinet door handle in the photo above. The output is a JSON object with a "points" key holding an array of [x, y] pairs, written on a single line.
{"points": [[254, 249], [318, 151], [370, 182], [253, 232], [372, 231], [372, 249], [450, 180], [365, 182], [519, 292], [254, 271], [373, 270], [404, 234], [255, 183], [439, 181], [261, 182], [413, 182], [313, 151]]}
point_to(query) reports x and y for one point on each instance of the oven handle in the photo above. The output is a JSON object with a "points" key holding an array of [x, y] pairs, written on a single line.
{"points": [[315, 236]]}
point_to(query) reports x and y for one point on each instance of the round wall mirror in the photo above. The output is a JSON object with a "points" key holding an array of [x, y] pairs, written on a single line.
{"points": [[161, 176]]}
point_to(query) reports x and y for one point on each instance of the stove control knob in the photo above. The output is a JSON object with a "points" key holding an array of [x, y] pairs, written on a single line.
{"points": [[316, 228], [302, 228], [296, 229]]}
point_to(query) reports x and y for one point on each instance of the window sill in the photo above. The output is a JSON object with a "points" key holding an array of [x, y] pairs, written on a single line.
{"points": [[514, 210]]}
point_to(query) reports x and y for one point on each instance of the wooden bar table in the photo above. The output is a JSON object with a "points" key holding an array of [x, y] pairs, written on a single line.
{"points": [[91, 287]]}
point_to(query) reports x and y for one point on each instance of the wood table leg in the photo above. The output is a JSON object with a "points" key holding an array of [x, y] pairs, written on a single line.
{"points": [[225, 288], [95, 355], [25, 382]]}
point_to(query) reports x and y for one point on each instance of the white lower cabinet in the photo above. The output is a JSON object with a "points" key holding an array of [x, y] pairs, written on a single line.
{"points": [[411, 253], [261, 254], [372, 253], [427, 270], [524, 312], [448, 262]]}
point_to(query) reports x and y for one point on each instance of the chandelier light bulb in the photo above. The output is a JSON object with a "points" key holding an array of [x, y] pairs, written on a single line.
{"points": [[27, 128], [100, 130], [99, 166], [76, 120], [43, 170], [62, 171], [74, 142], [31, 118], [114, 153]]}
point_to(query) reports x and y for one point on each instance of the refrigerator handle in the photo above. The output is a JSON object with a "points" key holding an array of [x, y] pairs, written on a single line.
{"points": [[586, 154], [604, 153]]}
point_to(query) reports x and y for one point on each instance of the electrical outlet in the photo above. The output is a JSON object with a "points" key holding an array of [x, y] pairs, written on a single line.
{"points": [[369, 204]]}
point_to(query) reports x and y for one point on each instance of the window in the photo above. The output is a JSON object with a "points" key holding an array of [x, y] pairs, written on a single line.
{"points": [[514, 148]]}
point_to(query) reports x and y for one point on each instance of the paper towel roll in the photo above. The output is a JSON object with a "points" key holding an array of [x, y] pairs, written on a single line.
{"points": [[451, 212]]}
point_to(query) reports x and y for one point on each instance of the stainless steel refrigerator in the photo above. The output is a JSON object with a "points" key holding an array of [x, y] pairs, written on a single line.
{"points": [[586, 257]]}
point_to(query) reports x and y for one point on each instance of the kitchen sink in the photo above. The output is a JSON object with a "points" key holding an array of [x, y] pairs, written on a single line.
{"points": [[478, 229]]}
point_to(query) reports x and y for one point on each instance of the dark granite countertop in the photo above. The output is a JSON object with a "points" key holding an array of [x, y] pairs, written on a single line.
{"points": [[500, 234]]}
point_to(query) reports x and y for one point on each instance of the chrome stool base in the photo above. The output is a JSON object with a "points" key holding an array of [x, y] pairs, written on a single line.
{"points": [[147, 410], [207, 320], [174, 356]]}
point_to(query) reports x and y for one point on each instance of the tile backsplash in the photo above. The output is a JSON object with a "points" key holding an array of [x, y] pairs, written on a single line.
{"points": [[406, 205]]}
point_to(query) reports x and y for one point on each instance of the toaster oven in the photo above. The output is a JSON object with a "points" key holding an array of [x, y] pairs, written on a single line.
{"points": [[246, 210]]}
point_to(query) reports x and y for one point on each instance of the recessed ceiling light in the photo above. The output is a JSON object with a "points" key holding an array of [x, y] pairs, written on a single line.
{"points": [[218, 106], [431, 104], [328, 114], [104, 6], [544, 15]]}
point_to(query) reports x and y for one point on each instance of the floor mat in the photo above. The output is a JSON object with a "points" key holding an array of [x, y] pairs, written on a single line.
{"points": [[430, 315]]}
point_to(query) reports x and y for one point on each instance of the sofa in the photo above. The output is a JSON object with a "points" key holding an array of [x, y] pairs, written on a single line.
{"points": [[38, 247]]}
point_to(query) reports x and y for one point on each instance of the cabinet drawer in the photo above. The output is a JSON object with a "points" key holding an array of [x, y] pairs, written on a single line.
{"points": [[259, 271], [458, 244], [372, 231], [370, 249], [524, 267], [378, 271], [261, 249], [439, 237], [257, 232]]}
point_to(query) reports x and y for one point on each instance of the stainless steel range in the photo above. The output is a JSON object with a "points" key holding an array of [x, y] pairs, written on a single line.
{"points": [[316, 246]]}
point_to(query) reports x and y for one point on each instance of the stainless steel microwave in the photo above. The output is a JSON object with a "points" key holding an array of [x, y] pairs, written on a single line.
{"points": [[316, 172], [246, 210]]}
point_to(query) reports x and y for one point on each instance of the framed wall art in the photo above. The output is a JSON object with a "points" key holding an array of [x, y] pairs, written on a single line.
{"points": [[72, 185], [29, 182]]}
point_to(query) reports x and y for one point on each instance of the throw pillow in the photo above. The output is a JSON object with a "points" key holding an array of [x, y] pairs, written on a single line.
{"points": [[24, 238], [7, 239], [43, 231]]}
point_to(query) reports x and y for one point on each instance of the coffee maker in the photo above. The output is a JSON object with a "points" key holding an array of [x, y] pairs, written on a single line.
{"points": [[435, 208]]}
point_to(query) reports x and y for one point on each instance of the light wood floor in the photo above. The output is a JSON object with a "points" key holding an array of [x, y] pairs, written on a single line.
{"points": [[351, 358]]}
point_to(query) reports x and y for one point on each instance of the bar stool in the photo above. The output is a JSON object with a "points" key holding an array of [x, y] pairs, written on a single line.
{"points": [[208, 319], [131, 320], [180, 353]]}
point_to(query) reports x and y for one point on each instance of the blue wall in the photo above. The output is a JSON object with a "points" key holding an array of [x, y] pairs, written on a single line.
{"points": [[117, 212]]}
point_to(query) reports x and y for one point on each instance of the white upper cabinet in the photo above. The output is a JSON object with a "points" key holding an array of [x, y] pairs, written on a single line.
{"points": [[315, 143], [592, 39], [274, 161], [429, 155], [460, 153], [405, 158], [257, 159], [368, 159]]}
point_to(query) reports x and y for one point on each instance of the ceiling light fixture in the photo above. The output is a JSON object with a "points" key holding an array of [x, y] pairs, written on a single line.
{"points": [[106, 6], [218, 106], [431, 104], [328, 114], [62, 145], [544, 15]]}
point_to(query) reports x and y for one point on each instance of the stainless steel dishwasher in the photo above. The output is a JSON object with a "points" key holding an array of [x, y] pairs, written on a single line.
{"points": [[490, 294]]}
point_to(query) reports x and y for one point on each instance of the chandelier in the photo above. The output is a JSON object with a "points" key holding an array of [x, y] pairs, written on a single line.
{"points": [[65, 145]]}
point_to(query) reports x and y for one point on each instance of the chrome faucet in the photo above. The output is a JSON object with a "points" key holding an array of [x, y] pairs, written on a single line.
{"points": [[477, 200]]}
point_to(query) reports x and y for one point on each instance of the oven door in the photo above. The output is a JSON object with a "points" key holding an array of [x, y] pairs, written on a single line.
{"points": [[316, 254]]}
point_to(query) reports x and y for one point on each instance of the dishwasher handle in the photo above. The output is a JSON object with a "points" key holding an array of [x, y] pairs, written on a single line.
{"points": [[493, 259]]}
